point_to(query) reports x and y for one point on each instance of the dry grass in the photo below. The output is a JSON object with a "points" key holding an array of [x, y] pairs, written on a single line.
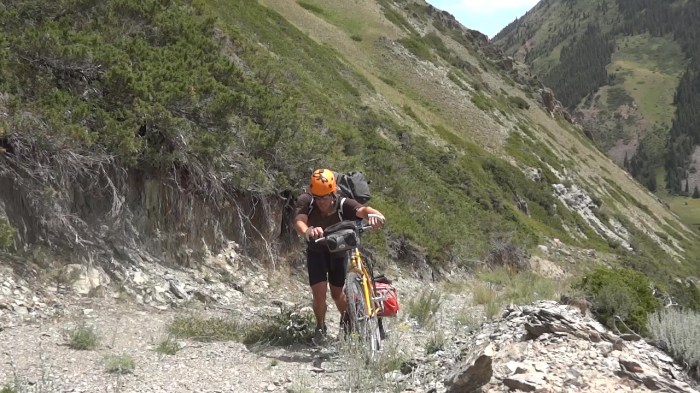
{"points": [[424, 306], [364, 371], [677, 333], [206, 329], [120, 364]]}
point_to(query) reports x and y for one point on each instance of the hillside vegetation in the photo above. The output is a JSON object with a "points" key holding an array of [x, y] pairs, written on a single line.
{"points": [[629, 70], [145, 127]]}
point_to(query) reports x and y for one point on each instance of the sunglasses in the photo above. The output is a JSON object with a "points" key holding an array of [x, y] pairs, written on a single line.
{"points": [[325, 197]]}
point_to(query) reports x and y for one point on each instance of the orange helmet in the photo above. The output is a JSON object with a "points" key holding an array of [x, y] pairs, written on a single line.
{"points": [[322, 182]]}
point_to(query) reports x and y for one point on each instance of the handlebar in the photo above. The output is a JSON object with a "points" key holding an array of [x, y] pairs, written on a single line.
{"points": [[360, 226]]}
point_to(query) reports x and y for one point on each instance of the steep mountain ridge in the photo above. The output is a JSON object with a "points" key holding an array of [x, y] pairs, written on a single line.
{"points": [[627, 70]]}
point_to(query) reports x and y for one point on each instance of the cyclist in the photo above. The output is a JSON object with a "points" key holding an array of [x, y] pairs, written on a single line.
{"points": [[316, 210]]}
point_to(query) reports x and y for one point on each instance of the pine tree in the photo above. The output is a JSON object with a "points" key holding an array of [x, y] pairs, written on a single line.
{"points": [[696, 193]]}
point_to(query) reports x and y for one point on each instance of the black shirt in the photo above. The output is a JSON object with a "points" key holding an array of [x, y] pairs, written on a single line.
{"points": [[317, 219]]}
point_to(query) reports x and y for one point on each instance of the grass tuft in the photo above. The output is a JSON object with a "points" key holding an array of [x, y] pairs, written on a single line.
{"points": [[424, 306], [168, 346], [206, 329], [435, 343], [120, 364]]}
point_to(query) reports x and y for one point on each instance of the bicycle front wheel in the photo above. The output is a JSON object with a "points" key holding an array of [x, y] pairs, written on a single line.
{"points": [[364, 325]]}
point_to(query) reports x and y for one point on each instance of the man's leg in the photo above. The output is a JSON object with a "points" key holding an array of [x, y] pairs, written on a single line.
{"points": [[336, 279], [318, 281], [318, 291], [339, 298]]}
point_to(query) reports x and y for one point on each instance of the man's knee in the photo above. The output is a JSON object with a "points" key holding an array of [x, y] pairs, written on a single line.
{"points": [[318, 291], [336, 292]]}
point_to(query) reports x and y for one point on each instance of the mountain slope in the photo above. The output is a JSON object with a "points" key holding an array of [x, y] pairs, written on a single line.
{"points": [[626, 69], [151, 153], [191, 124]]}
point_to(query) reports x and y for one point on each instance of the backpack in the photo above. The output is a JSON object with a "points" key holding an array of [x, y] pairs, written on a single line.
{"points": [[353, 185], [389, 296]]}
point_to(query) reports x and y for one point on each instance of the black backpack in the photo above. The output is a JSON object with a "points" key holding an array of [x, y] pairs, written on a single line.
{"points": [[353, 185]]}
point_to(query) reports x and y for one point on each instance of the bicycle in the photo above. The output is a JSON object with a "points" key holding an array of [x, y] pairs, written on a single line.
{"points": [[364, 305]]}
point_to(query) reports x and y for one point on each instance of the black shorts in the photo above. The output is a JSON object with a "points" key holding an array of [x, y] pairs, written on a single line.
{"points": [[324, 266]]}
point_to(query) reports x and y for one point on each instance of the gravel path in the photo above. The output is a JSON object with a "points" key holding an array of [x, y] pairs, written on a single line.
{"points": [[35, 357]]}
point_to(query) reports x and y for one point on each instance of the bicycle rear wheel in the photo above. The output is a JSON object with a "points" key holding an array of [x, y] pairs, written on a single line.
{"points": [[362, 324]]}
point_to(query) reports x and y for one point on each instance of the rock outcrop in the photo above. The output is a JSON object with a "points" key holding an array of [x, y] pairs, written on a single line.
{"points": [[549, 347], [554, 106]]}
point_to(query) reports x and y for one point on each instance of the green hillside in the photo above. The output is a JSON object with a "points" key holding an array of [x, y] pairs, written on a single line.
{"points": [[168, 127]]}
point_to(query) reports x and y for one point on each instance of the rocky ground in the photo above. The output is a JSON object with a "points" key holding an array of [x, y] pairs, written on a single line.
{"points": [[545, 347]]}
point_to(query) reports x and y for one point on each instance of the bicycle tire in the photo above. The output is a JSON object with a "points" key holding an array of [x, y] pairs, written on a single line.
{"points": [[365, 326]]}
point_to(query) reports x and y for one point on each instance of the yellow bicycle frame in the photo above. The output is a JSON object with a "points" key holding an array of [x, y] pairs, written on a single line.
{"points": [[367, 289]]}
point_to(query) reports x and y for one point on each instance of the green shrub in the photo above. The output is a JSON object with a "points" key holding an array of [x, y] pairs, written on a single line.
{"points": [[396, 18], [417, 46], [518, 102], [687, 294], [620, 293], [482, 102], [83, 338], [311, 7], [677, 333], [388, 81], [7, 234]]}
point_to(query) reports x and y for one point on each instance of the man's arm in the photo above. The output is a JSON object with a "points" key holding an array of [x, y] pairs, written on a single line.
{"points": [[373, 216], [301, 224]]}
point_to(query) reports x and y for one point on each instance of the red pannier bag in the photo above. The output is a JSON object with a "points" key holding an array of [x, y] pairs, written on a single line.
{"points": [[391, 299]]}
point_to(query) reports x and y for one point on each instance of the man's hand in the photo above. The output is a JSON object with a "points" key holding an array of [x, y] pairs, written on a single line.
{"points": [[314, 233], [375, 220]]}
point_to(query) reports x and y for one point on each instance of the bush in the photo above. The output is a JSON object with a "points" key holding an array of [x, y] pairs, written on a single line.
{"points": [[686, 294], [418, 47], [482, 102], [505, 252], [7, 234], [677, 333], [83, 338], [620, 293], [519, 102]]}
